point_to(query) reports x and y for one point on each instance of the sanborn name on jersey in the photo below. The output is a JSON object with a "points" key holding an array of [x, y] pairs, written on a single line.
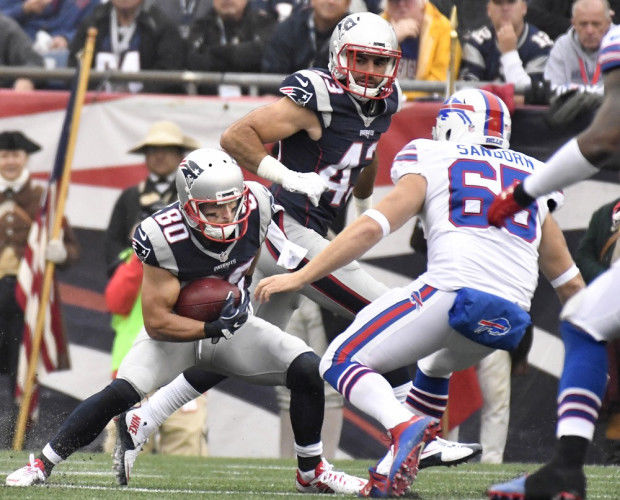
{"points": [[480, 151]]}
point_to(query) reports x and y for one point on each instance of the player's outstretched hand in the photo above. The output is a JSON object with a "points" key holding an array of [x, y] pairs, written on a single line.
{"points": [[309, 183], [275, 284], [506, 205], [232, 317]]}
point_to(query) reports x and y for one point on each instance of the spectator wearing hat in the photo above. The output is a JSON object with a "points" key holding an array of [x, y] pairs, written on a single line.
{"points": [[20, 200], [598, 250], [163, 148]]}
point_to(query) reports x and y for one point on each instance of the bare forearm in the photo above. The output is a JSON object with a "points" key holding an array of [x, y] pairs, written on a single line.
{"points": [[349, 245], [174, 328], [243, 143]]}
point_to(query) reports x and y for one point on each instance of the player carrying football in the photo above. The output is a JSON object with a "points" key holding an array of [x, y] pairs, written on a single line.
{"points": [[214, 229]]}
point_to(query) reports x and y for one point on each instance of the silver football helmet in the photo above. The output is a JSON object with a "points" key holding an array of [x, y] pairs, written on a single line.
{"points": [[211, 176], [369, 34]]}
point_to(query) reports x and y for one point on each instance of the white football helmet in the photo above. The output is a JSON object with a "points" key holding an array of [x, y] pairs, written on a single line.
{"points": [[473, 116], [211, 176], [370, 34]]}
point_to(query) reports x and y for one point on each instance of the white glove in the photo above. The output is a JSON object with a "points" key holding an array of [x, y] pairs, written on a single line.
{"points": [[362, 204], [309, 183], [56, 252]]}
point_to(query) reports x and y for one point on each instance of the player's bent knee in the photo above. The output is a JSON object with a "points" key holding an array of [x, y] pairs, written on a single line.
{"points": [[123, 392], [326, 363], [303, 373]]}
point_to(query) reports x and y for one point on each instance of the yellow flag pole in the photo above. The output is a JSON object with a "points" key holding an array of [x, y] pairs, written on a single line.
{"points": [[87, 58], [454, 38]]}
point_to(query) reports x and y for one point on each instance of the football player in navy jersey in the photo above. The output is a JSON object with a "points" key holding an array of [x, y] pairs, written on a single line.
{"points": [[327, 125], [215, 229]]}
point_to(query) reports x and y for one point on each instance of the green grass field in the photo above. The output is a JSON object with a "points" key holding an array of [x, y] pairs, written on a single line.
{"points": [[86, 476]]}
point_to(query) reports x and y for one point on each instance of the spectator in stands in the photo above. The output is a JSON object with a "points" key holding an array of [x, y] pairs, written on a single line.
{"points": [[163, 148], [51, 24], [302, 40], [20, 199], [507, 49], [133, 35], [182, 13], [572, 62], [229, 38], [554, 16], [424, 37], [16, 50]]}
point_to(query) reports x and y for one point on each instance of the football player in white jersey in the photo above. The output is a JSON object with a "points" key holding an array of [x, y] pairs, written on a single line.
{"points": [[477, 289], [589, 319]]}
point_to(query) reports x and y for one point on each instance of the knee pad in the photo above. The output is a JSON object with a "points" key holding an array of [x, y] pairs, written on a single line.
{"points": [[303, 373], [123, 392]]}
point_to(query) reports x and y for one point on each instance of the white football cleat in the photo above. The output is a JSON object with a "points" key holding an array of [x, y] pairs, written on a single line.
{"points": [[324, 479], [442, 452], [131, 434], [31, 473]]}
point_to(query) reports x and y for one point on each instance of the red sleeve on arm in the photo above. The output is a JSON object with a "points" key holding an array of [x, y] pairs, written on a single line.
{"points": [[123, 288]]}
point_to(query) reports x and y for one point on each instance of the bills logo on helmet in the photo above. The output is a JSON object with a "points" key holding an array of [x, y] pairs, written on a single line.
{"points": [[141, 251], [495, 327], [299, 95], [191, 170]]}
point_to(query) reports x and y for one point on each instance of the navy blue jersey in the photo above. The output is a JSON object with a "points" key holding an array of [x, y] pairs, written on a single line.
{"points": [[481, 56], [165, 240], [346, 146]]}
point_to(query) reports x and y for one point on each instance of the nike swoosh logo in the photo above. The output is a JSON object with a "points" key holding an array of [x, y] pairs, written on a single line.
{"points": [[303, 83], [142, 234]]}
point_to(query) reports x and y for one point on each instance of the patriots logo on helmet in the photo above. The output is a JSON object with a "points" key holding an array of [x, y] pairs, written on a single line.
{"points": [[495, 327], [191, 170], [299, 95]]}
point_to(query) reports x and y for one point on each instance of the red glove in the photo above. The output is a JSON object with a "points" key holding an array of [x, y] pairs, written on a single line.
{"points": [[509, 202]]}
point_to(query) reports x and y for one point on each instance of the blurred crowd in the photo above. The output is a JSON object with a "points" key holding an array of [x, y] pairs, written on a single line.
{"points": [[547, 47]]}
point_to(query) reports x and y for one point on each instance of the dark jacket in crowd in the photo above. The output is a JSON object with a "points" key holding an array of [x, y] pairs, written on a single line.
{"points": [[15, 47], [295, 45], [160, 45], [215, 45]]}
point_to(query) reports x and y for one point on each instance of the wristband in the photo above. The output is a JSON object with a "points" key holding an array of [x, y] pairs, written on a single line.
{"points": [[271, 169], [211, 331], [380, 219], [565, 277]]}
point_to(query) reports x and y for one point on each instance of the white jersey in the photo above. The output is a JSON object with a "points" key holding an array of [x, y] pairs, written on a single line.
{"points": [[609, 53], [463, 250]]}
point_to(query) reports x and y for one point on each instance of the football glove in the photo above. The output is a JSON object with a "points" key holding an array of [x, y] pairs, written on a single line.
{"points": [[231, 318], [509, 202], [309, 183]]}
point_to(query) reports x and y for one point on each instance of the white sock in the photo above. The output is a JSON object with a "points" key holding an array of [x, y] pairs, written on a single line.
{"points": [[373, 395], [167, 400], [51, 455]]}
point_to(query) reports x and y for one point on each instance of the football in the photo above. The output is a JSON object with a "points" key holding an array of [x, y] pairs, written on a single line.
{"points": [[204, 298]]}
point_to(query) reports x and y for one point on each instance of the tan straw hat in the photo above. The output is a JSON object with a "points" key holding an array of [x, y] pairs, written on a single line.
{"points": [[165, 133]]}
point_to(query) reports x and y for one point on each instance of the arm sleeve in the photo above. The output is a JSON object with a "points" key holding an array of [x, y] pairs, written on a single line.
{"points": [[513, 69]]}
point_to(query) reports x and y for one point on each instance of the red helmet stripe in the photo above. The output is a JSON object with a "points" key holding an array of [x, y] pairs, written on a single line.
{"points": [[494, 123]]}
